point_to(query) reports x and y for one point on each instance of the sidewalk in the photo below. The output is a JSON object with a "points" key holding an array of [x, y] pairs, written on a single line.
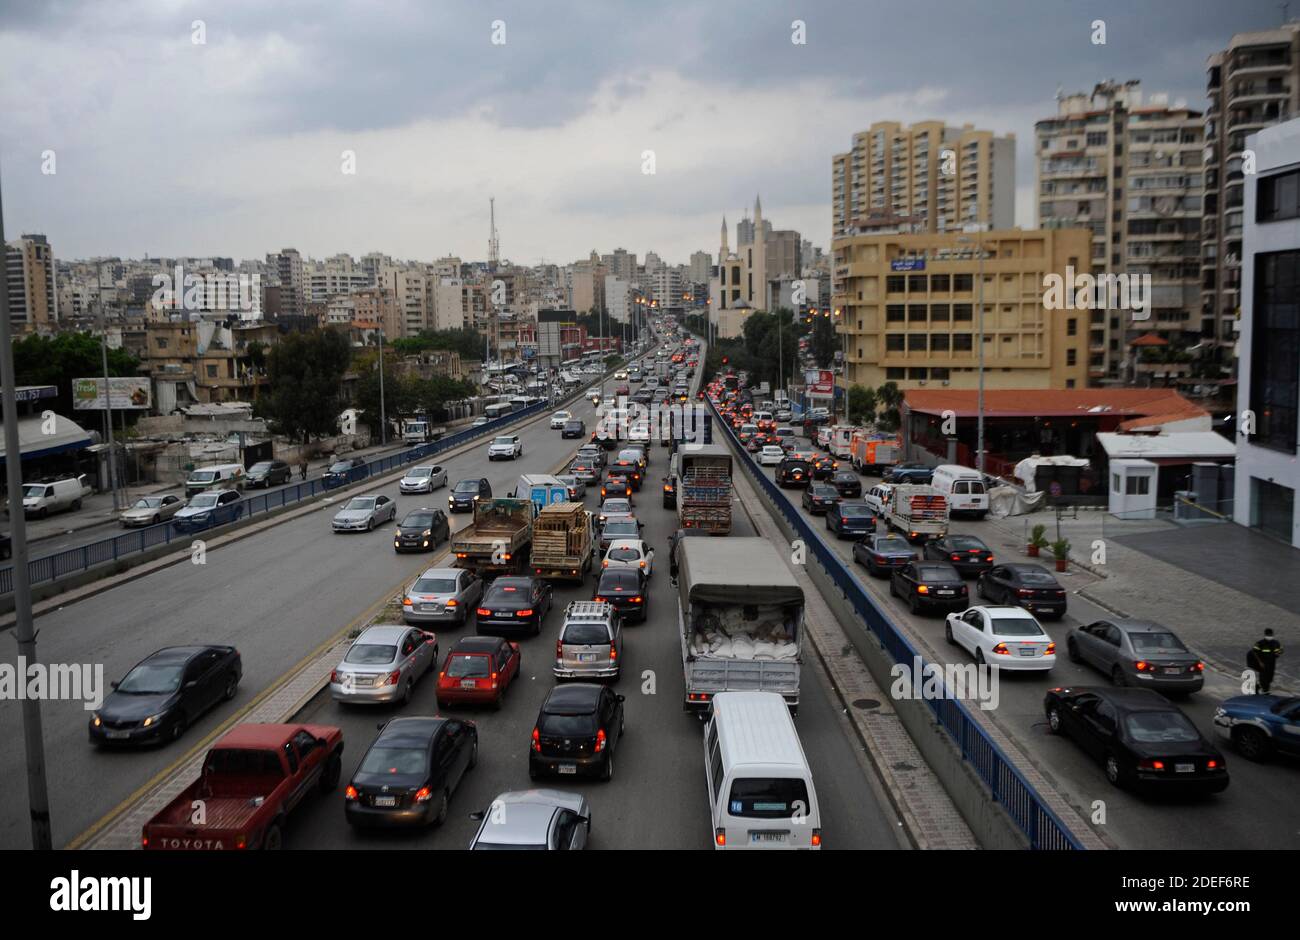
{"points": [[1216, 586]]}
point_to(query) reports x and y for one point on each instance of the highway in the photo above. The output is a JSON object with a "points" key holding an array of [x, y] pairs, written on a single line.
{"points": [[1257, 811], [279, 594]]}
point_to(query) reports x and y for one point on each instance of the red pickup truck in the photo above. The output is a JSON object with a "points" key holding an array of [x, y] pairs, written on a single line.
{"points": [[251, 780]]}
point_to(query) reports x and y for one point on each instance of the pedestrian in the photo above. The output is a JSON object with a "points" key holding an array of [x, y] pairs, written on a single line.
{"points": [[1263, 659], [302, 469]]}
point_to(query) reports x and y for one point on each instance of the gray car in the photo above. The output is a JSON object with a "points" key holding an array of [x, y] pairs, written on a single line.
{"points": [[590, 644], [442, 595], [363, 513], [150, 510], [424, 479], [618, 527], [1137, 653], [577, 488], [383, 664], [548, 820]]}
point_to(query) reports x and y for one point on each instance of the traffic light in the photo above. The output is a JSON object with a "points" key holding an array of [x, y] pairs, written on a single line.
{"points": [[724, 360]]}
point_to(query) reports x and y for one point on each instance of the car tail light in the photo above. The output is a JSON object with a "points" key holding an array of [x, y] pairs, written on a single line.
{"points": [[956, 558], [640, 564], [816, 837], [962, 590], [1199, 667], [989, 558], [334, 675], [636, 600], [922, 589], [598, 600], [600, 740], [350, 793], [1211, 765], [1022, 592], [537, 741], [1060, 593], [483, 612], [559, 649], [453, 603], [144, 842], [1000, 649], [720, 837], [423, 794], [613, 653], [1144, 666], [1151, 765], [1051, 650]]}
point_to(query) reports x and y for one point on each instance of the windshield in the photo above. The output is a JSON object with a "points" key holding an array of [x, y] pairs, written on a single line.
{"points": [[467, 486], [1037, 577], [1161, 728], [611, 506], [503, 440], [362, 504], [1016, 626], [339, 467], [854, 512], [1150, 642], [147, 502], [149, 679], [260, 467], [586, 634], [419, 473], [204, 501], [620, 529], [893, 544], [567, 725], [418, 520], [616, 582], [203, 476], [395, 761], [964, 543], [33, 490], [469, 667], [434, 586], [370, 654], [624, 554]]}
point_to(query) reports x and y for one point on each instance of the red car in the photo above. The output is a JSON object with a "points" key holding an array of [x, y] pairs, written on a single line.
{"points": [[477, 671]]}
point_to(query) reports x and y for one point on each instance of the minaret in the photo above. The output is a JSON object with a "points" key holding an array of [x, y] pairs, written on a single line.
{"points": [[722, 252], [758, 270], [494, 245]]}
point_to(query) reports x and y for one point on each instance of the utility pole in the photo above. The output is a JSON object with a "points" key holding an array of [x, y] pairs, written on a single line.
{"points": [[383, 416], [979, 316], [38, 799], [108, 406]]}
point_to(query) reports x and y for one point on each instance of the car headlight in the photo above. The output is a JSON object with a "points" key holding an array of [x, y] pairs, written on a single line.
{"points": [[426, 533], [152, 720], [97, 721]]}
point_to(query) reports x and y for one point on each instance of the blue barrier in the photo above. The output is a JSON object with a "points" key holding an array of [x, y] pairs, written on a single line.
{"points": [[1043, 828]]}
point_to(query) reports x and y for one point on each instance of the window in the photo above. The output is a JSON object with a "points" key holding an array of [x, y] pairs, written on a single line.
{"points": [[162, 342], [895, 374], [916, 313], [962, 312], [1278, 197], [894, 342], [1138, 485], [916, 282], [939, 342], [895, 313], [940, 313], [939, 375], [895, 284], [1072, 327], [1275, 351], [916, 342], [939, 282], [212, 371], [961, 342], [1071, 357], [963, 283], [917, 374]]}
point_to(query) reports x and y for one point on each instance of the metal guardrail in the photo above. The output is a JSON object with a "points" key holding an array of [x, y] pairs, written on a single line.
{"points": [[1043, 828]]}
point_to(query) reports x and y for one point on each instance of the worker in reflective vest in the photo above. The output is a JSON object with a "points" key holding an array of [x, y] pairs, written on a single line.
{"points": [[1263, 659]]}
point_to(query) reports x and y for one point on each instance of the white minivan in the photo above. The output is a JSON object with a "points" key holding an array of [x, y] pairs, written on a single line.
{"points": [[214, 476], [760, 788], [964, 488], [41, 499]]}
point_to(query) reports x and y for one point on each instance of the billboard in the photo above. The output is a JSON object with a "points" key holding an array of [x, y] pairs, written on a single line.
{"points": [[127, 392], [820, 381]]}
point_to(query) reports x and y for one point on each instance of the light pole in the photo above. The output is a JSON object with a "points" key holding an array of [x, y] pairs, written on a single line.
{"points": [[979, 342], [383, 416], [108, 406]]}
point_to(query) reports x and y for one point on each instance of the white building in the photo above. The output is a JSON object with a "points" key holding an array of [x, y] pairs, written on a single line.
{"points": [[1268, 395], [618, 294]]}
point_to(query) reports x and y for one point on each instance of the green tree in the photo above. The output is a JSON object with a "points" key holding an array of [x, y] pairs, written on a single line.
{"points": [[824, 341], [467, 342], [862, 405], [57, 360], [890, 398], [306, 370]]}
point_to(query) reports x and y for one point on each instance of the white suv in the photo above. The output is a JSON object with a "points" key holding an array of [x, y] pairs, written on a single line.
{"points": [[505, 447], [560, 419]]}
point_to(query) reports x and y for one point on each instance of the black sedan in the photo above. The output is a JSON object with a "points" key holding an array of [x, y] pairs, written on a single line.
{"points": [[1031, 586], [847, 484], [165, 693], [881, 554], [578, 729], [820, 497], [409, 773], [421, 530], [574, 428], [1141, 739], [625, 589], [618, 482], [929, 585], [513, 604], [466, 493], [850, 520], [793, 472], [343, 472], [966, 553]]}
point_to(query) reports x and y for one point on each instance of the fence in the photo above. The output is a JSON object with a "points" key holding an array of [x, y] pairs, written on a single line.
{"points": [[1032, 816]]}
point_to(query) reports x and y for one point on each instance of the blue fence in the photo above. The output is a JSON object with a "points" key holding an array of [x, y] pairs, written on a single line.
{"points": [[106, 551], [1026, 808]]}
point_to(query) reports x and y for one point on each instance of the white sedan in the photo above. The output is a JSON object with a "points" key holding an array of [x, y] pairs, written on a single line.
{"points": [[630, 553], [1004, 637], [559, 420], [771, 455]]}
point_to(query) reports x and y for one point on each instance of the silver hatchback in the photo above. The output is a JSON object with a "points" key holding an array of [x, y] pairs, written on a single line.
{"points": [[383, 664], [590, 644], [549, 820], [441, 595]]}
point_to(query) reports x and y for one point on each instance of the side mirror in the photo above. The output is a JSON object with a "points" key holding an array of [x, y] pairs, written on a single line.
{"points": [[620, 698], [191, 684], [478, 816], [322, 742]]}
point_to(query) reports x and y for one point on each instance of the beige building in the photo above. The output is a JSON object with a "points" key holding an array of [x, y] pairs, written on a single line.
{"points": [[906, 309], [1129, 169], [32, 284], [928, 177], [377, 305], [743, 279], [587, 286], [1252, 84]]}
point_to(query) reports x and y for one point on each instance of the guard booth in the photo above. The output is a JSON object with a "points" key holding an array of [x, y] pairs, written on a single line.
{"points": [[1133, 489]]}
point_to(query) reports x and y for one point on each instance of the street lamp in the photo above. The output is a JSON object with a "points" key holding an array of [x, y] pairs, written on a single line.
{"points": [[979, 341]]}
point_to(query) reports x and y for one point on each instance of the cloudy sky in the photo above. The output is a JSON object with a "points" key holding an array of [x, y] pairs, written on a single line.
{"points": [[234, 146]]}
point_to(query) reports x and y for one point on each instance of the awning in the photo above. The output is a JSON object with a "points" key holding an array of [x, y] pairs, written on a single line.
{"points": [[33, 442], [1172, 447]]}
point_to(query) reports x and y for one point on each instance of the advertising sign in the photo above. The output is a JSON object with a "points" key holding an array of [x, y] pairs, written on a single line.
{"points": [[907, 264], [127, 392], [822, 382]]}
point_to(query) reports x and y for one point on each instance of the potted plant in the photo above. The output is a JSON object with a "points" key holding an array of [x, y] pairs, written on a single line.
{"points": [[1037, 540], [1061, 552]]}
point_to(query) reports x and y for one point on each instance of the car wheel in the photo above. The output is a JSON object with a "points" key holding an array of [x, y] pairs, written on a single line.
{"points": [[329, 777], [473, 755], [608, 773], [1072, 650], [156, 520], [1113, 773], [947, 632], [76, 504], [443, 805], [232, 685], [1054, 720], [178, 727], [914, 604], [1251, 743], [979, 658], [370, 525], [1117, 677], [273, 841]]}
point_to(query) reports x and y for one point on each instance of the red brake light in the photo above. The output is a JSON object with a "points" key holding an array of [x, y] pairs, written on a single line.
{"points": [[1051, 650], [922, 589], [422, 795], [816, 837], [1151, 765], [720, 836], [528, 612], [600, 740], [483, 612], [559, 649], [350, 793], [1001, 650], [1143, 666], [956, 558], [537, 740], [598, 599], [393, 677]]}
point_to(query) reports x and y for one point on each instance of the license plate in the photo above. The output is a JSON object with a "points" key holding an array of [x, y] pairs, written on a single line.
{"points": [[431, 608], [946, 592], [1185, 768], [468, 684], [116, 735], [586, 657], [1027, 651], [567, 768], [767, 837], [1171, 670], [385, 801]]}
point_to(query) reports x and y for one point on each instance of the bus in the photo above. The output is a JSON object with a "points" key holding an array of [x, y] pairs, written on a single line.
{"points": [[498, 410]]}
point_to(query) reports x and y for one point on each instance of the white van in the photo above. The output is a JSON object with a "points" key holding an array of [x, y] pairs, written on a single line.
{"points": [[215, 476], [878, 497], [964, 488], [41, 499], [761, 791]]}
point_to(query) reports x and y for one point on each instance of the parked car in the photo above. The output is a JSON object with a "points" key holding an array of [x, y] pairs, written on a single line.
{"points": [[819, 497], [165, 693], [441, 595], [1141, 739], [578, 729], [383, 664], [505, 447], [477, 671], [212, 508], [847, 484], [1005, 637], [881, 554], [466, 493], [421, 530], [630, 553], [150, 510], [363, 513], [967, 553], [343, 472], [410, 771], [625, 589], [926, 585], [423, 479], [268, 473], [793, 471], [850, 519], [513, 604], [41, 499], [550, 820], [590, 642], [1137, 653], [1031, 586], [1260, 726]]}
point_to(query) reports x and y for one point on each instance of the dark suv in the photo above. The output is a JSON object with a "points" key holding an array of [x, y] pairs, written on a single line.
{"points": [[793, 471]]}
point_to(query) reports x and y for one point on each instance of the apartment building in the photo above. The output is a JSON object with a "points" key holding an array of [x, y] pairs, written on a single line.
{"points": [[1268, 433], [334, 276], [409, 285], [906, 309], [1130, 170], [285, 270], [927, 177], [700, 267], [32, 285], [1252, 84]]}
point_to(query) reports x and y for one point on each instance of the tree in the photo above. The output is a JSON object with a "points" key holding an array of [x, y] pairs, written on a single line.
{"points": [[57, 360], [890, 399], [306, 370], [824, 342], [467, 342], [862, 405]]}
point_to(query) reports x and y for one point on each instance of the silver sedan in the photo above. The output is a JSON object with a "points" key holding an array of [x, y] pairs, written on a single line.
{"points": [[423, 479], [383, 665], [363, 513], [150, 510], [534, 819], [442, 595]]}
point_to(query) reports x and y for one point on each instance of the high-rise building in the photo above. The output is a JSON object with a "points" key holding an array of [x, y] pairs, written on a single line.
{"points": [[286, 272], [928, 177], [906, 309], [701, 263], [621, 263], [1253, 83], [1129, 170], [32, 284]]}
